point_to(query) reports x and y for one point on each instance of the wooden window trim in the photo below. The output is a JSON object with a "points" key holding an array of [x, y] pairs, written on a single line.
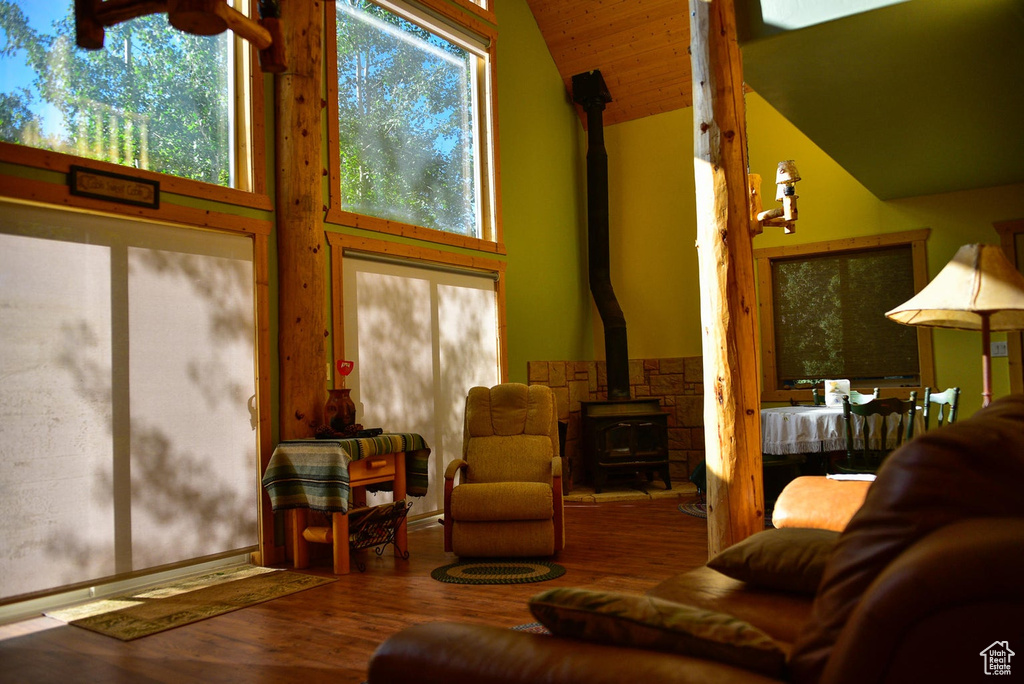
{"points": [[770, 391], [1008, 230], [491, 220], [485, 13], [340, 242]]}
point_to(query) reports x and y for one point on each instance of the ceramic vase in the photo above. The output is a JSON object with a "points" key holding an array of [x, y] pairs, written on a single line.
{"points": [[340, 410]]}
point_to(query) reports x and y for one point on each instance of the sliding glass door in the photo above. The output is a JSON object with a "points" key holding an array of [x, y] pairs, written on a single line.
{"points": [[420, 337], [127, 412]]}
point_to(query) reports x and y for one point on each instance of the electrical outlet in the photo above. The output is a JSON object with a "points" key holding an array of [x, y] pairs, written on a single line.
{"points": [[999, 349]]}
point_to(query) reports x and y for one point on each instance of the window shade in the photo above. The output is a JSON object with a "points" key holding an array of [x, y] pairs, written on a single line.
{"points": [[128, 353], [829, 316]]}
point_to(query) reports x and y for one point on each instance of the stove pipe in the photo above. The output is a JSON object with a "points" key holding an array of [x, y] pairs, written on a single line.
{"points": [[590, 92]]}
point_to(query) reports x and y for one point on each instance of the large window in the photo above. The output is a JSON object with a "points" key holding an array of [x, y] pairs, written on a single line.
{"points": [[153, 98], [128, 406], [410, 141], [823, 314]]}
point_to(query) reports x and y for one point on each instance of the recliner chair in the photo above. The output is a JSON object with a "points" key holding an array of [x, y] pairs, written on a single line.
{"points": [[508, 502]]}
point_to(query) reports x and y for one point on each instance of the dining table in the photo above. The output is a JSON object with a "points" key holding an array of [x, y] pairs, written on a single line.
{"points": [[789, 430]]}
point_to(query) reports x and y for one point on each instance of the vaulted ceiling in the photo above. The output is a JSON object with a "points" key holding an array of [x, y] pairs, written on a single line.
{"points": [[911, 98]]}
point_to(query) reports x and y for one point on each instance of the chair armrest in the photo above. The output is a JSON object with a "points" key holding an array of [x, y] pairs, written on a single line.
{"points": [[450, 472], [818, 502], [454, 467], [556, 466], [960, 577]]}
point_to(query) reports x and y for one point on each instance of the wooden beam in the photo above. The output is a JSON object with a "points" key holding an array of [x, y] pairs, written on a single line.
{"points": [[732, 417], [302, 270]]}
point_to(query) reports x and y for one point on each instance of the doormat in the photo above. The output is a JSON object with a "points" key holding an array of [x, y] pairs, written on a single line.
{"points": [[498, 571], [699, 509], [151, 611]]}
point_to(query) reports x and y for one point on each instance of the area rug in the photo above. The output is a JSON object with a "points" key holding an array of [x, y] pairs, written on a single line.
{"points": [[699, 509], [498, 571], [532, 628], [156, 610]]}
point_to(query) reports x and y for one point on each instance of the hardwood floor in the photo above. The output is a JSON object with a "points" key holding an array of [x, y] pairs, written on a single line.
{"points": [[327, 634]]}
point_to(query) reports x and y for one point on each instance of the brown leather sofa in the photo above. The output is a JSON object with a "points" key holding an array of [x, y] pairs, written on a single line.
{"points": [[923, 580]]}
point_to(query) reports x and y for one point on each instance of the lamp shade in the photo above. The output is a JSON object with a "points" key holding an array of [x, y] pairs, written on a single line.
{"points": [[978, 283]]}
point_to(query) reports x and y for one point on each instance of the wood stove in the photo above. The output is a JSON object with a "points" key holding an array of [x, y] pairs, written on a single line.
{"points": [[624, 437]]}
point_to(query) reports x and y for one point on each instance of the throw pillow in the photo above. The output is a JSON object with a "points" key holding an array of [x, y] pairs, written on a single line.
{"points": [[656, 624], [789, 559]]}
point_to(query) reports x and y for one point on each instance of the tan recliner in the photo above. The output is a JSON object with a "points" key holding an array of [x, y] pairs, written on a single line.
{"points": [[508, 502]]}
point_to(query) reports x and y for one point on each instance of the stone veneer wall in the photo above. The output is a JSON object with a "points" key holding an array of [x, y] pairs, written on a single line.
{"points": [[678, 383]]}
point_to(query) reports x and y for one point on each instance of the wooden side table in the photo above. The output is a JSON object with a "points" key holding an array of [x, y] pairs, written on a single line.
{"points": [[366, 471]]}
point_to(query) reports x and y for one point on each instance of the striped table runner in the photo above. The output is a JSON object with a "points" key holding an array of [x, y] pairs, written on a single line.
{"points": [[313, 473]]}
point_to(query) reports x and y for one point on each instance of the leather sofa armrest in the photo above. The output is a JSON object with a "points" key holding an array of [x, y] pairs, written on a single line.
{"points": [[454, 653], [818, 502], [930, 614]]}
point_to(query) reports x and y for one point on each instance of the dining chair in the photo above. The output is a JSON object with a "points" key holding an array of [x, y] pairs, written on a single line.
{"points": [[942, 404], [875, 434]]}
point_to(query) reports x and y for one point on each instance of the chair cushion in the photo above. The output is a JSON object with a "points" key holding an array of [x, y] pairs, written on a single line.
{"points": [[510, 409], [525, 458], [500, 501], [790, 559], [972, 469], [647, 622], [504, 539]]}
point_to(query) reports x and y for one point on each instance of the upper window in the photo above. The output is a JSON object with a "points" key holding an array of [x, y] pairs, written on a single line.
{"points": [[410, 139], [823, 314], [153, 98]]}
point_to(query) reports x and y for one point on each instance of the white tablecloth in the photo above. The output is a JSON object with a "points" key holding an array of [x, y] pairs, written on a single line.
{"points": [[811, 429]]}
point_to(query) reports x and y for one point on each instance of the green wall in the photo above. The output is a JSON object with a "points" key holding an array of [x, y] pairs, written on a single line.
{"points": [[543, 210], [654, 261]]}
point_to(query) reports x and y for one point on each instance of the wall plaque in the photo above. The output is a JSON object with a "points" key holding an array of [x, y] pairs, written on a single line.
{"points": [[114, 187]]}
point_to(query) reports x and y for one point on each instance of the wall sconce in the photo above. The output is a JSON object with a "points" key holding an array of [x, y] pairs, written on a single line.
{"points": [[785, 216]]}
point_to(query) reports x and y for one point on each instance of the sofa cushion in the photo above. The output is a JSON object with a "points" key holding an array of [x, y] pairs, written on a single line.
{"points": [[789, 559], [656, 624], [817, 501], [780, 614], [971, 469]]}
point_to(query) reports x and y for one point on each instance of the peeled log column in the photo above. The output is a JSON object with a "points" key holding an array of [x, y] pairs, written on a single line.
{"points": [[300, 236], [732, 416]]}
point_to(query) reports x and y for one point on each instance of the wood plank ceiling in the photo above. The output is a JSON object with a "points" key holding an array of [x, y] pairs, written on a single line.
{"points": [[641, 49]]}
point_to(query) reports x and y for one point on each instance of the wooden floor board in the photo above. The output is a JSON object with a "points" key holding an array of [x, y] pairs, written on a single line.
{"points": [[328, 633]]}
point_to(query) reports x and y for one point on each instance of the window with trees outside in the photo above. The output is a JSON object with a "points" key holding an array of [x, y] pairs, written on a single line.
{"points": [[410, 132], [153, 98], [823, 310]]}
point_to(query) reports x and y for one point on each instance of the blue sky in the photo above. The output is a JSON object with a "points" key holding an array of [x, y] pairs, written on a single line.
{"points": [[14, 73]]}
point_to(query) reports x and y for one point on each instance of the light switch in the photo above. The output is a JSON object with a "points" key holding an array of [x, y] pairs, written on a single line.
{"points": [[998, 349]]}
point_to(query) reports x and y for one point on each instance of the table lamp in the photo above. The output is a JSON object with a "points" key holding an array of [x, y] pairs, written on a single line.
{"points": [[979, 289]]}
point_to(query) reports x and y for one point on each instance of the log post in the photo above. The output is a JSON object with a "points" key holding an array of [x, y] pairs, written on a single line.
{"points": [[735, 493], [301, 262]]}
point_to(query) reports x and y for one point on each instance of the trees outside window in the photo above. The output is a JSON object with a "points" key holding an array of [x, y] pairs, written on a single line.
{"points": [[823, 314], [153, 98], [411, 109]]}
